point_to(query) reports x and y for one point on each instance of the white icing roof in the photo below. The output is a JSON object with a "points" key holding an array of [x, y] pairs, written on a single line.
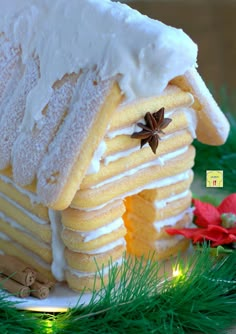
{"points": [[69, 36]]}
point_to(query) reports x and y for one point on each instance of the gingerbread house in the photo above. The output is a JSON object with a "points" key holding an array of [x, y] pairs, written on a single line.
{"points": [[99, 106]]}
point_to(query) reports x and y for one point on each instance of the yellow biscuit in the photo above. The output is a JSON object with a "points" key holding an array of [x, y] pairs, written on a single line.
{"points": [[87, 283], [212, 126], [138, 248], [42, 231], [146, 231], [89, 220], [90, 263], [23, 200], [136, 159], [167, 191], [124, 142], [58, 179], [147, 210], [89, 198], [130, 113], [10, 248], [26, 240], [75, 241]]}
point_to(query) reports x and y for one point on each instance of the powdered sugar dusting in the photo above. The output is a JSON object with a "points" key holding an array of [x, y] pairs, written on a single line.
{"points": [[30, 147], [64, 150], [13, 113], [8, 68]]}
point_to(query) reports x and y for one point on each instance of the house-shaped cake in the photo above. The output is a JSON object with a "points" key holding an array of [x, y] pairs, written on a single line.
{"points": [[99, 106]]}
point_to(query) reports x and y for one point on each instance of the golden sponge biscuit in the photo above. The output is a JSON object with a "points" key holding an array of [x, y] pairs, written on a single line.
{"points": [[91, 262], [10, 248], [150, 213], [93, 197], [26, 240], [77, 241], [76, 219], [136, 159]]}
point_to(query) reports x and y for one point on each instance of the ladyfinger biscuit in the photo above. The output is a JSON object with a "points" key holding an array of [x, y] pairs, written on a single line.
{"points": [[138, 248], [167, 191], [130, 113], [59, 178], [26, 240], [120, 188], [14, 112], [148, 232], [41, 230], [124, 142], [137, 158], [25, 199], [77, 241], [34, 261], [31, 146], [150, 213], [81, 220], [91, 262], [213, 127]]}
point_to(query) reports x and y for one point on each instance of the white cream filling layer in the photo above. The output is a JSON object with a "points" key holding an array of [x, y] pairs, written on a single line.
{"points": [[106, 248], [33, 197], [104, 270], [122, 154], [158, 225], [162, 203], [159, 161], [29, 253], [91, 235], [155, 184], [58, 247], [27, 213], [21, 228], [129, 130]]}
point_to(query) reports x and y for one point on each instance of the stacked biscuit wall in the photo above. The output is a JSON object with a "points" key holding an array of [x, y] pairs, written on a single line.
{"points": [[25, 230], [153, 188]]}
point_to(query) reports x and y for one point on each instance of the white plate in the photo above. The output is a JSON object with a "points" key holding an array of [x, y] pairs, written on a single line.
{"points": [[60, 299]]}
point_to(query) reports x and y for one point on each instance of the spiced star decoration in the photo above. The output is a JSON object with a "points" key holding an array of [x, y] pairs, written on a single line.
{"points": [[151, 131]]}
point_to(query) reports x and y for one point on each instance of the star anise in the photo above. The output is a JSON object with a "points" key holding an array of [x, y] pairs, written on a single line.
{"points": [[155, 123]]}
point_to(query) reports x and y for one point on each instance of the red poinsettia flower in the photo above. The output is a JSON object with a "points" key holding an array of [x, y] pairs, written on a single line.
{"points": [[215, 224]]}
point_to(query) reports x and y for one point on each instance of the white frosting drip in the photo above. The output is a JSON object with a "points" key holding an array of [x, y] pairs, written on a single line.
{"points": [[91, 235], [162, 203], [158, 225], [72, 35], [58, 247], [95, 162], [33, 197], [159, 161], [27, 213], [104, 270], [106, 248]]}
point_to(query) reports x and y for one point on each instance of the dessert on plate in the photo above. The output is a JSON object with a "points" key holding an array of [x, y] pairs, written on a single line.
{"points": [[99, 106]]}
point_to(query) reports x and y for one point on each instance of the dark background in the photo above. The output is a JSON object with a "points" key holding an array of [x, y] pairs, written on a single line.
{"points": [[212, 25]]}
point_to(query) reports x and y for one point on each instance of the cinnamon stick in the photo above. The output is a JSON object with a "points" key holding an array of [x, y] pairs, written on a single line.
{"points": [[14, 287], [19, 271], [39, 290], [44, 280]]}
